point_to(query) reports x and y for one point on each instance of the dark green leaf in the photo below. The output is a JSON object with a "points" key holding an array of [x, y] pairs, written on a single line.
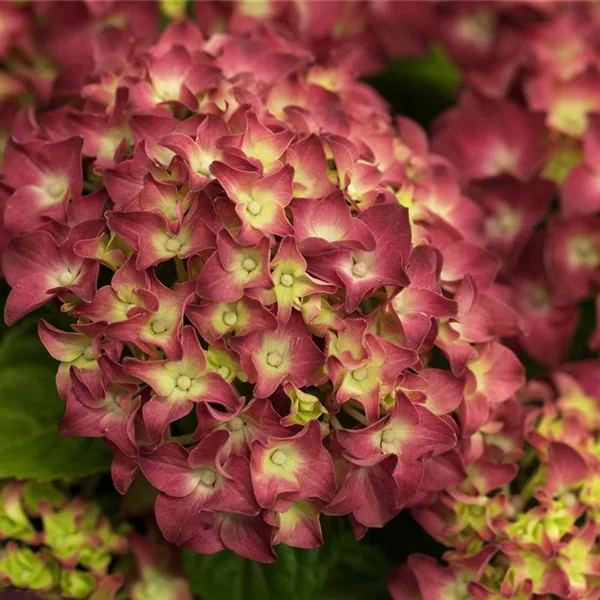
{"points": [[419, 88], [342, 569], [30, 443], [20, 345], [360, 572]]}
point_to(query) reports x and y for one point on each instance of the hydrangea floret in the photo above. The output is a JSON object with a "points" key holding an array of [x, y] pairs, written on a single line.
{"points": [[60, 544]]}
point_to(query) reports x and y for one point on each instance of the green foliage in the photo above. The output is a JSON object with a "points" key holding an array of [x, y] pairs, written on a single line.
{"points": [[342, 569], [30, 443], [360, 572], [421, 87]]}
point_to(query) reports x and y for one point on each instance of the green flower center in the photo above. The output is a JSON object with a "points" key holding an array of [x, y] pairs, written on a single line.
{"points": [[254, 208], [184, 383], [306, 405], [235, 424], [66, 278], [585, 252], [388, 436], [230, 318], [274, 359], [278, 457], [158, 326], [173, 245], [359, 269], [287, 280], [208, 478], [249, 264], [55, 190], [360, 374]]}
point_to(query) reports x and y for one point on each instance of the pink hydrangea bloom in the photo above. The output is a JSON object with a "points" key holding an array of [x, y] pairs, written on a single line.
{"points": [[260, 266]]}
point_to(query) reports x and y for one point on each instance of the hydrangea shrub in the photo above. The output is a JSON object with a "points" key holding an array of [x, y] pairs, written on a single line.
{"points": [[261, 268], [284, 303]]}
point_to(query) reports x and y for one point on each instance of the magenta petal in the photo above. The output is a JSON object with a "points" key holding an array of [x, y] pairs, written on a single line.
{"points": [[205, 539], [219, 392], [216, 284], [93, 417], [444, 391], [304, 532], [34, 252], [177, 518], [566, 467], [208, 451], [408, 476], [390, 226], [310, 168], [432, 578], [123, 471], [237, 183], [167, 470], [325, 225], [474, 412], [159, 414], [442, 472], [463, 258], [29, 293], [236, 494], [369, 493], [249, 537], [403, 585], [581, 191], [413, 300]]}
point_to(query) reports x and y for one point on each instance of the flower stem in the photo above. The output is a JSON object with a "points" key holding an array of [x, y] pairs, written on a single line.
{"points": [[184, 440], [334, 422], [353, 412], [182, 274]]}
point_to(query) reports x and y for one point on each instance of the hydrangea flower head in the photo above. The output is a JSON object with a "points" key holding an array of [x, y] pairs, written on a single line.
{"points": [[260, 265]]}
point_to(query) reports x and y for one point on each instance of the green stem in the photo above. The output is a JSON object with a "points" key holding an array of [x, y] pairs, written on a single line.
{"points": [[334, 422], [353, 412], [88, 186], [182, 274], [185, 440], [533, 484]]}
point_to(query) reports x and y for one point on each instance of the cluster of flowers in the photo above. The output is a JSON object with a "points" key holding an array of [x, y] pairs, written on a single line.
{"points": [[46, 52], [280, 298], [520, 144], [71, 550], [527, 131], [522, 533], [60, 544]]}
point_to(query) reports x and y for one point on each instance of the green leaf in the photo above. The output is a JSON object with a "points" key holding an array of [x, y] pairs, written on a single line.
{"points": [[360, 572], [421, 87], [30, 443], [342, 569], [20, 345], [296, 575], [434, 71]]}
